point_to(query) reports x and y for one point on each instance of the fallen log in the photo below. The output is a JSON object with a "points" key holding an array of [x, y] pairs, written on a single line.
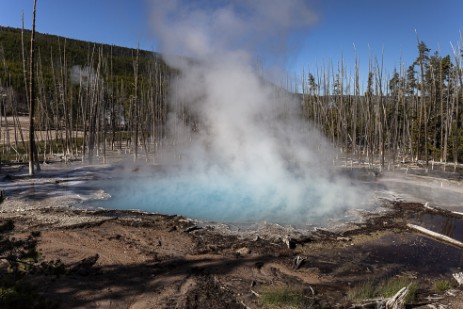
{"points": [[398, 300], [435, 235]]}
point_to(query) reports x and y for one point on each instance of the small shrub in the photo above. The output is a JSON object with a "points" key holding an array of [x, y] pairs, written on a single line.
{"points": [[442, 285]]}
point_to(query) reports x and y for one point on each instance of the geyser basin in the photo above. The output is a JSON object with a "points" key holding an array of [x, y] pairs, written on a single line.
{"points": [[226, 197]]}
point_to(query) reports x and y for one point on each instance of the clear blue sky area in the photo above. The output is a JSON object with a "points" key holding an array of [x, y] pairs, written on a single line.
{"points": [[373, 26]]}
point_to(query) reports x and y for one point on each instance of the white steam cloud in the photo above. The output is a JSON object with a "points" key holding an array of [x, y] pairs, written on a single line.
{"points": [[247, 154], [224, 28]]}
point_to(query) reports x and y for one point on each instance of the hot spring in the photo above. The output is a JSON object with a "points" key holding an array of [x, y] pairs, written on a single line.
{"points": [[226, 198], [221, 195], [243, 150]]}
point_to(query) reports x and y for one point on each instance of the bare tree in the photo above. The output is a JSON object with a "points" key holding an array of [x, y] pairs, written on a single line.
{"points": [[33, 157]]}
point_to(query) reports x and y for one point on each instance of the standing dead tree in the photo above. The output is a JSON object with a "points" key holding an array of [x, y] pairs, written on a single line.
{"points": [[33, 157]]}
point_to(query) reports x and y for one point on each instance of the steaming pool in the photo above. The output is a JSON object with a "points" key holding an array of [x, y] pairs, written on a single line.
{"points": [[224, 200], [228, 200]]}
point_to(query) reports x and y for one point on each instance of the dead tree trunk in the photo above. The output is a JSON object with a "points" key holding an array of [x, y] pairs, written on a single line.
{"points": [[33, 158]]}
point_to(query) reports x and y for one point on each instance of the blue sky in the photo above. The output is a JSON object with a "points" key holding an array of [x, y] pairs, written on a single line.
{"points": [[373, 26]]}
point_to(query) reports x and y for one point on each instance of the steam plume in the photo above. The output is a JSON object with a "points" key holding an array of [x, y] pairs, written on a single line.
{"points": [[246, 152]]}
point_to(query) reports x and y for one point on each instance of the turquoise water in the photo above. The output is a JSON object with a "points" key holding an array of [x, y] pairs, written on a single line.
{"points": [[221, 199]]}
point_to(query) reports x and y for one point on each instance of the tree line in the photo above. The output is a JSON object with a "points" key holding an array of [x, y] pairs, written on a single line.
{"points": [[92, 99], [413, 115]]}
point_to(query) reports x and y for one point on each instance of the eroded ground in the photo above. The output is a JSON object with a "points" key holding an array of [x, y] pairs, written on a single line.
{"points": [[123, 259]]}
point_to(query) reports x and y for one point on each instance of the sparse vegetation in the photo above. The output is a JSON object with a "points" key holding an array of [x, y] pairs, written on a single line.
{"points": [[385, 288], [364, 290], [390, 287], [442, 285], [282, 296]]}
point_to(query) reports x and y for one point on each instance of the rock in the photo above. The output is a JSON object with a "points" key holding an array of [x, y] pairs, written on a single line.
{"points": [[458, 277], [84, 267], [289, 242], [243, 251], [298, 261]]}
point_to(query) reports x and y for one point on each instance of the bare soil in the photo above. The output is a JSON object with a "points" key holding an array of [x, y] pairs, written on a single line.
{"points": [[128, 259]]}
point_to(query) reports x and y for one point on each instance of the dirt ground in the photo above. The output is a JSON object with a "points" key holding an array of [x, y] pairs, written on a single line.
{"points": [[127, 259]]}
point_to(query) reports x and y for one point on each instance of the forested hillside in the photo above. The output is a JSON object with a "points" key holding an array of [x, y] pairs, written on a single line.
{"points": [[93, 98], [56, 53], [86, 92]]}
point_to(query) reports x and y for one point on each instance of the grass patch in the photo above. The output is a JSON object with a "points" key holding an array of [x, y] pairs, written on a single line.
{"points": [[442, 285], [365, 290], [392, 286], [281, 296], [386, 288]]}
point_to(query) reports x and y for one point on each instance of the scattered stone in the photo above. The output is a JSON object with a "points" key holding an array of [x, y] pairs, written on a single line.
{"points": [[342, 238], [243, 251]]}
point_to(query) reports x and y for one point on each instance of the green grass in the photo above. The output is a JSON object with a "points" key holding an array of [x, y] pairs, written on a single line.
{"points": [[385, 288], [365, 290], [392, 286], [283, 297], [442, 285]]}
